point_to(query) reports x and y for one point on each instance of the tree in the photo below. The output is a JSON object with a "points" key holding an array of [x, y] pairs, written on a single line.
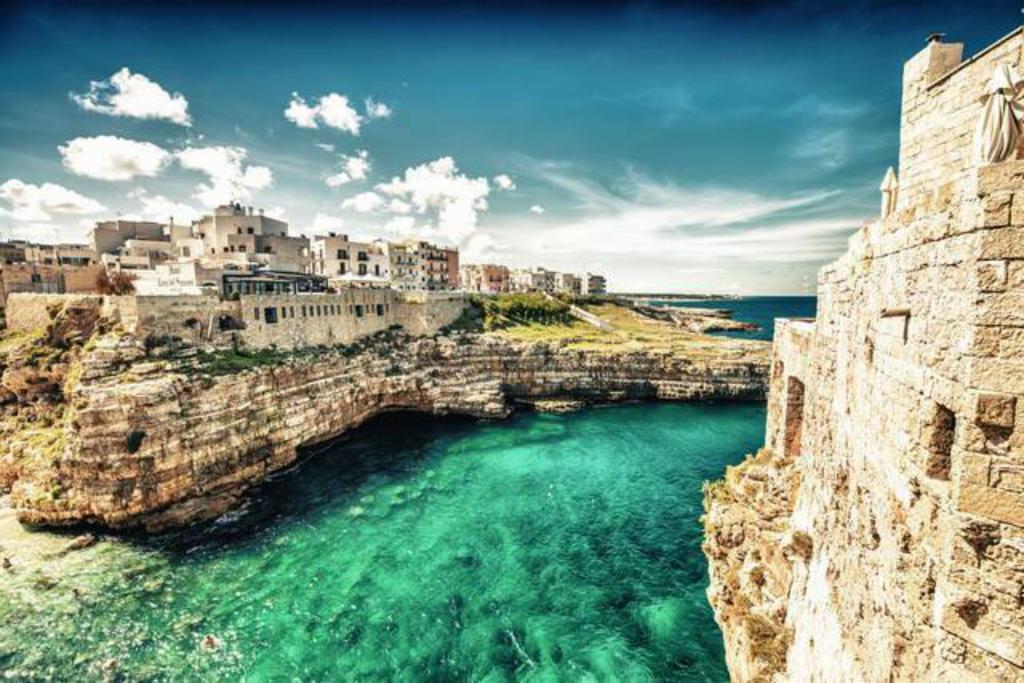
{"points": [[116, 283]]}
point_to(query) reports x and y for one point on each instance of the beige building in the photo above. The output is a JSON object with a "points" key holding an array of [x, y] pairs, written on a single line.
{"points": [[347, 262], [592, 283], [427, 266], [567, 283], [46, 268], [234, 234], [533, 280], [486, 278]]}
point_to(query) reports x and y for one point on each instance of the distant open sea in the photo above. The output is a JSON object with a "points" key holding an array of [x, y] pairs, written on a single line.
{"points": [[760, 310]]}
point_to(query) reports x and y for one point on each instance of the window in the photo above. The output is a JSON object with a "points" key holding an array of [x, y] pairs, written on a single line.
{"points": [[36, 277], [270, 315], [362, 269], [380, 309], [794, 416], [256, 313], [239, 231], [359, 310], [341, 271], [303, 311], [241, 248], [376, 269], [362, 256], [291, 311], [941, 433], [284, 312], [249, 230], [342, 254]]}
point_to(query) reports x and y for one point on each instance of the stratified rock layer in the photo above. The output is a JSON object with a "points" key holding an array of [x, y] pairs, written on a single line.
{"points": [[164, 443]]}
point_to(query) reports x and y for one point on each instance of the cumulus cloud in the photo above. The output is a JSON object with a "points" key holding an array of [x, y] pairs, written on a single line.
{"points": [[135, 96], [160, 208], [377, 110], [323, 222], [333, 110], [537, 209], [39, 203], [108, 157], [364, 202], [353, 167], [229, 177], [452, 200], [503, 181]]}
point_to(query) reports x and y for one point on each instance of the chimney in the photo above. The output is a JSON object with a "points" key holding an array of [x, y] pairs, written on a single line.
{"points": [[250, 211], [261, 211]]}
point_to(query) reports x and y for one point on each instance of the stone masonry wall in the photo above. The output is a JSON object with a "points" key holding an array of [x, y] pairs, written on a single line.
{"points": [[898, 420], [285, 321]]}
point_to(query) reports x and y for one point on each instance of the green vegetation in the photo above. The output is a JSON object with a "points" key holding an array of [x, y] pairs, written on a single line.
{"points": [[510, 310], [630, 331], [238, 360]]}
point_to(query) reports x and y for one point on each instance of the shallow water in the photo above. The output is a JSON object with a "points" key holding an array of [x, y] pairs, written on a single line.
{"points": [[543, 547]]}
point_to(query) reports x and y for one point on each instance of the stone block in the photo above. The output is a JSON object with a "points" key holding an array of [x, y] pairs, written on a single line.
{"points": [[995, 410], [991, 275], [1000, 244], [990, 503], [995, 210]]}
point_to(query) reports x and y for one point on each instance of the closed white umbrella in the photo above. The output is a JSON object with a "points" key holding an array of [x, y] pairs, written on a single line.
{"points": [[1000, 125]]}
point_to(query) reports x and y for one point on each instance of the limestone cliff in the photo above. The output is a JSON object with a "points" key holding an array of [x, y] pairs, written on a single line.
{"points": [[880, 534], [158, 439]]}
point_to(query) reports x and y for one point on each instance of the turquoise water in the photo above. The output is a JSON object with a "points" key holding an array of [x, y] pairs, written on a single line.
{"points": [[544, 547], [760, 310]]}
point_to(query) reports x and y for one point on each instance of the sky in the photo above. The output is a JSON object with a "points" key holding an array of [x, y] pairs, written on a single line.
{"points": [[727, 147]]}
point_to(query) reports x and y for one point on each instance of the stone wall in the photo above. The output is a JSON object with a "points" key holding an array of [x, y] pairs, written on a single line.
{"points": [[897, 421], [31, 312], [261, 321]]}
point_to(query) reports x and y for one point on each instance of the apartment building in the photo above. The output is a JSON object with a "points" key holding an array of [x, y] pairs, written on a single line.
{"points": [[486, 278], [346, 261]]}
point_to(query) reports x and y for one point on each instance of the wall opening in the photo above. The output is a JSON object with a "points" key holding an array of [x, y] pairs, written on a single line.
{"points": [[794, 420], [940, 435]]}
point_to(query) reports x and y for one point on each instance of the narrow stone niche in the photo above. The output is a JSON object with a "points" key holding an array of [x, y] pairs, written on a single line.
{"points": [[939, 436], [794, 420]]}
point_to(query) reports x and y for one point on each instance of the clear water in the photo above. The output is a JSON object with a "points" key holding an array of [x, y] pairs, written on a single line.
{"points": [[539, 548], [760, 310]]}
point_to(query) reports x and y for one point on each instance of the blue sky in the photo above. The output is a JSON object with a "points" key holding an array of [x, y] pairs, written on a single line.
{"points": [[720, 147]]}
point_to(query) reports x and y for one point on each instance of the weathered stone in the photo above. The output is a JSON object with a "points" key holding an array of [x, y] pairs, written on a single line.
{"points": [[994, 410]]}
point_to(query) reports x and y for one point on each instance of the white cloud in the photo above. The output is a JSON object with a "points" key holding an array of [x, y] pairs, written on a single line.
{"points": [[323, 222], [398, 206], [400, 226], [364, 202], [377, 110], [503, 181], [829, 148], [275, 212], [334, 111], [437, 188], [108, 157], [47, 233], [135, 96], [325, 146], [229, 178], [353, 167], [38, 203], [647, 232], [160, 208], [537, 209]]}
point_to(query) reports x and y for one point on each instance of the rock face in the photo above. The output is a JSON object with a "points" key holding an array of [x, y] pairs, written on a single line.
{"points": [[880, 534], [162, 443]]}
